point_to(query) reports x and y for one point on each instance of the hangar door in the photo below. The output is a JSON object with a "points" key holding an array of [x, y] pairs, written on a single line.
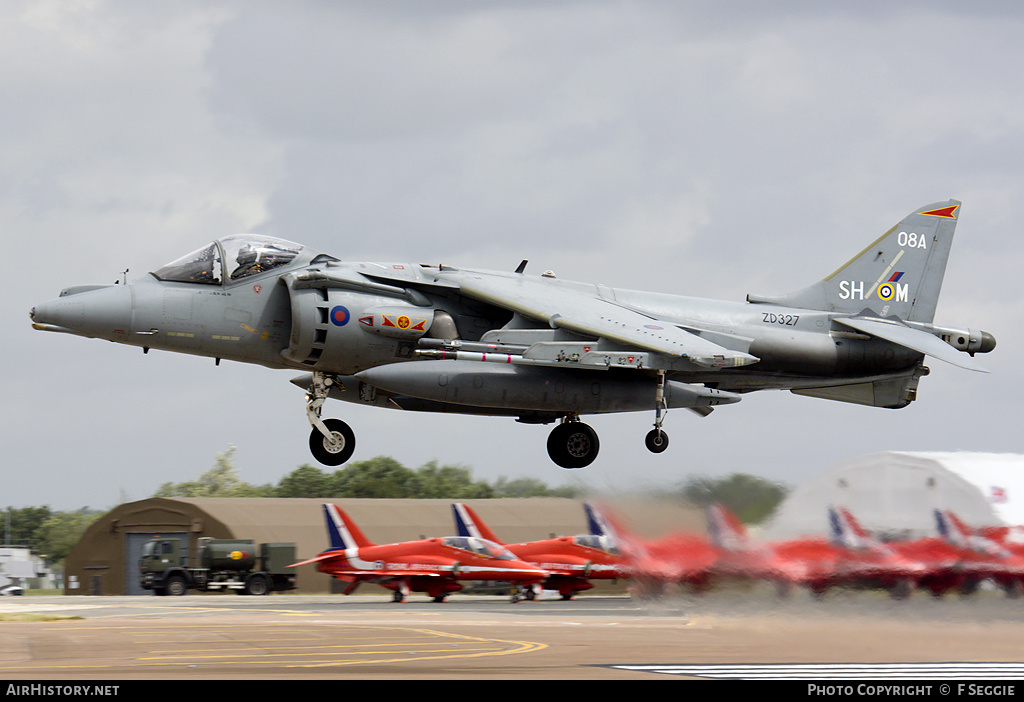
{"points": [[133, 544]]}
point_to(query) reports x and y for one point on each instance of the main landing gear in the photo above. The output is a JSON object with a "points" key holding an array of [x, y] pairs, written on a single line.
{"points": [[573, 444], [332, 441]]}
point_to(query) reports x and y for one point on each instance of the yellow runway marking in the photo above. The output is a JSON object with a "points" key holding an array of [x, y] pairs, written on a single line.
{"points": [[320, 646]]}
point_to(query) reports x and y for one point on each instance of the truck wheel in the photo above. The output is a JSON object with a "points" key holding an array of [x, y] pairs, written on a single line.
{"points": [[175, 585], [256, 585]]}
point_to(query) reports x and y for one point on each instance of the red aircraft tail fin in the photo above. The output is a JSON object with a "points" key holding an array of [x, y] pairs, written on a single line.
{"points": [[846, 531], [858, 529], [958, 523], [342, 531], [604, 522], [726, 530], [468, 523]]}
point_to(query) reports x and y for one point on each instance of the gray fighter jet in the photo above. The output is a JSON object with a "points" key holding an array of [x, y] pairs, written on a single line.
{"points": [[534, 347]]}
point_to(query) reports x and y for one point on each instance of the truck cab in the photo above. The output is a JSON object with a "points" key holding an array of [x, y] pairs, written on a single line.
{"points": [[160, 554]]}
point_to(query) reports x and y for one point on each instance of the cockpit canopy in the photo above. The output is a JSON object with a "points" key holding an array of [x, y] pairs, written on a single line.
{"points": [[229, 259], [600, 542], [479, 546]]}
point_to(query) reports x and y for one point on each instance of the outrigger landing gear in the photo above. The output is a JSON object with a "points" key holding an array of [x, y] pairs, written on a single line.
{"points": [[573, 444], [332, 440], [656, 439]]}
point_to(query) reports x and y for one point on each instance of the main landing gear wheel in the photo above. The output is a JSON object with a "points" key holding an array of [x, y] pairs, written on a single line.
{"points": [[333, 453], [656, 440], [573, 445]]}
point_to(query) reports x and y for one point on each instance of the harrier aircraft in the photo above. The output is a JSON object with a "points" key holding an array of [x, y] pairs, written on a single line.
{"points": [[571, 561], [437, 338], [433, 566]]}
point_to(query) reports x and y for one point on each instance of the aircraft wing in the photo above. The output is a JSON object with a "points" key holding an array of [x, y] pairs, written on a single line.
{"points": [[920, 341], [561, 306]]}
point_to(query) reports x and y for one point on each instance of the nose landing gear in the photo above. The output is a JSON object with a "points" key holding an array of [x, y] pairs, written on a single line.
{"points": [[332, 441]]}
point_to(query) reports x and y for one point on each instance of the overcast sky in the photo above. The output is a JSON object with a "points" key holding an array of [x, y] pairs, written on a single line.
{"points": [[704, 148]]}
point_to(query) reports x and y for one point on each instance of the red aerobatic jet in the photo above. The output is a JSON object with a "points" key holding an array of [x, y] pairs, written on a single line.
{"points": [[989, 554], [433, 566], [847, 558], [1008, 537], [679, 558], [571, 561], [954, 560]]}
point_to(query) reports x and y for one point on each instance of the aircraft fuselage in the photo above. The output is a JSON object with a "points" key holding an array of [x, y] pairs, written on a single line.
{"points": [[535, 347]]}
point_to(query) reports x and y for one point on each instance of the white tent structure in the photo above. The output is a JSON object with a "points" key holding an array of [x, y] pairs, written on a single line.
{"points": [[894, 494]]}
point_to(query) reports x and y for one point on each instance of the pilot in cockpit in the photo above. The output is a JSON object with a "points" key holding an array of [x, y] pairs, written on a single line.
{"points": [[259, 255]]}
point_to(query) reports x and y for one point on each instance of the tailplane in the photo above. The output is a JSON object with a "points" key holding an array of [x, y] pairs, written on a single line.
{"points": [[898, 275]]}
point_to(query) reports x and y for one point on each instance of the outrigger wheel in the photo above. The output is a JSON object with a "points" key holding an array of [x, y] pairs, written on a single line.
{"points": [[656, 440], [573, 444]]}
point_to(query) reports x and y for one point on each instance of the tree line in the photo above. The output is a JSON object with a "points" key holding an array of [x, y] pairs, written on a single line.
{"points": [[380, 477]]}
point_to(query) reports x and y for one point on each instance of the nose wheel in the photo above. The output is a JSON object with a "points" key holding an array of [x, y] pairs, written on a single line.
{"points": [[573, 444], [332, 441], [338, 448]]}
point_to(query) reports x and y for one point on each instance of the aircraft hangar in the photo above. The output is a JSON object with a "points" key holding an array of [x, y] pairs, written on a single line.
{"points": [[104, 562], [894, 494]]}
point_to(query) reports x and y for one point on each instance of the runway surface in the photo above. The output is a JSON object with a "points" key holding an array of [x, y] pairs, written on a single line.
{"points": [[719, 635]]}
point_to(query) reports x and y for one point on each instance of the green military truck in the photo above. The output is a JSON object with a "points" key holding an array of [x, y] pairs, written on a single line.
{"points": [[218, 564]]}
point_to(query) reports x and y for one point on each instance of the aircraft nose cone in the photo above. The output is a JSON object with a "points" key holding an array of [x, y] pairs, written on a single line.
{"points": [[988, 342], [95, 311]]}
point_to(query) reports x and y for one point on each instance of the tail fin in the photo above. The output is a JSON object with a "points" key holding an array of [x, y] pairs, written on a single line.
{"points": [[899, 274], [952, 529], [342, 532], [956, 532], [601, 521], [845, 530], [468, 523], [725, 529], [596, 522]]}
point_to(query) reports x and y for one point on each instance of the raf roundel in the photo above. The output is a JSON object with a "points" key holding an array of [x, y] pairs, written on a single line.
{"points": [[340, 316]]}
